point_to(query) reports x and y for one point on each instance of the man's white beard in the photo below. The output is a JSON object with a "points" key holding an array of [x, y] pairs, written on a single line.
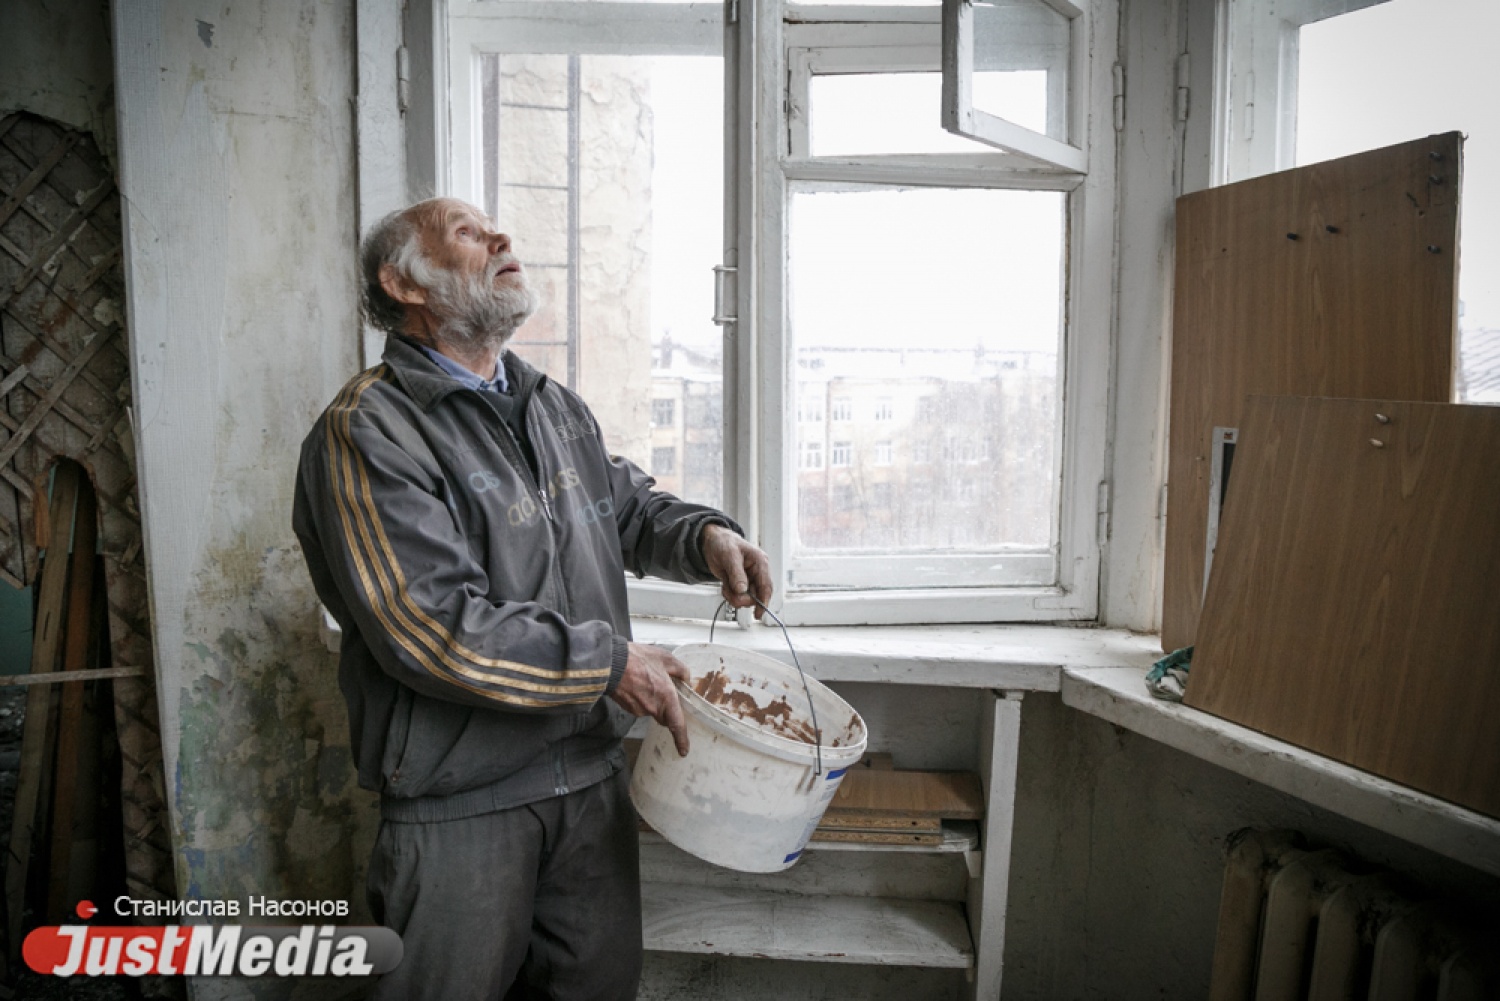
{"points": [[475, 312]]}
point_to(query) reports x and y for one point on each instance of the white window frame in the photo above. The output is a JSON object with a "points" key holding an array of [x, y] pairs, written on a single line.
{"points": [[845, 588], [1255, 105], [761, 165], [961, 117], [516, 26]]}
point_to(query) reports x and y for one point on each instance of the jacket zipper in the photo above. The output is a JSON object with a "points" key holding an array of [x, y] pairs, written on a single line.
{"points": [[519, 459], [542, 492], [541, 495]]}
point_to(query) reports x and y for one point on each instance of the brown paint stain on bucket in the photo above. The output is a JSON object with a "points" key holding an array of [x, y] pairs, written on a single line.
{"points": [[730, 695]]}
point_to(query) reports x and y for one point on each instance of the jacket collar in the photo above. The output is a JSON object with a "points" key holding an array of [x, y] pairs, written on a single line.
{"points": [[427, 384]]}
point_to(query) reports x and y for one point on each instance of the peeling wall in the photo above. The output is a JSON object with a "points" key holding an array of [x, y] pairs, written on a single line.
{"points": [[237, 157], [55, 61]]}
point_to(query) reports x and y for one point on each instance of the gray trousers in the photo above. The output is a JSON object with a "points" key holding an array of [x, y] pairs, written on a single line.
{"points": [[539, 901]]}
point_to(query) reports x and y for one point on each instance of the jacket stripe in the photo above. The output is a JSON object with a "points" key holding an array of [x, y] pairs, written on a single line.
{"points": [[380, 603], [391, 602], [386, 607]]}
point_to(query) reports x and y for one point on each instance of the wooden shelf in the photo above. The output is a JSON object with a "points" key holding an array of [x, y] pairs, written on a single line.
{"points": [[958, 836], [879, 931]]}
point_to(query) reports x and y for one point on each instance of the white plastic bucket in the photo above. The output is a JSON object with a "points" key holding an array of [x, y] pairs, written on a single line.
{"points": [[751, 788]]}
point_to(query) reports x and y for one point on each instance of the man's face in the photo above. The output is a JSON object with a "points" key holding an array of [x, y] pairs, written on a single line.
{"points": [[458, 237], [478, 289]]}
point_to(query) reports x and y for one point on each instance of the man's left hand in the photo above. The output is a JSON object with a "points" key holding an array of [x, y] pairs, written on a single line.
{"points": [[742, 568]]}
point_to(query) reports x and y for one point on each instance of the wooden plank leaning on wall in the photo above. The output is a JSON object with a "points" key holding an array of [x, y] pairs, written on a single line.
{"points": [[1352, 609], [1335, 279]]}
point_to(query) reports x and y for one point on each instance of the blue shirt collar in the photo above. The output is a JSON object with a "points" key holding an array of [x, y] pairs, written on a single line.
{"points": [[466, 378]]}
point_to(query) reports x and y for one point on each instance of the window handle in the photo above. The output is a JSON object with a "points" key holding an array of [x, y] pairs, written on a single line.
{"points": [[725, 289]]}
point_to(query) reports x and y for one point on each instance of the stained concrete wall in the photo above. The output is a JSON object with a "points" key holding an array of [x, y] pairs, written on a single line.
{"points": [[238, 174], [55, 61], [1118, 858]]}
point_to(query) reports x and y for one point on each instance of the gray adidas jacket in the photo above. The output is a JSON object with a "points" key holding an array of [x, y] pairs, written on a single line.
{"points": [[483, 608]]}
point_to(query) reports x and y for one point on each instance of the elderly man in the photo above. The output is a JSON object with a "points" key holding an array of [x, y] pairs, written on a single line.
{"points": [[465, 524]]}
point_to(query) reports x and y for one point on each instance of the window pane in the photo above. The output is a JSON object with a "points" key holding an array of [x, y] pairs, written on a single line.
{"points": [[926, 323], [873, 114], [1021, 55], [608, 173], [1359, 88]]}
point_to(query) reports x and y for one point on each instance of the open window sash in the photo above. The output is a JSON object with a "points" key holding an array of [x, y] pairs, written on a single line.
{"points": [[984, 40]]}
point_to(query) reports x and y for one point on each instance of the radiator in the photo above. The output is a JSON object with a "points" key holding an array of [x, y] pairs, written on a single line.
{"points": [[1302, 924]]}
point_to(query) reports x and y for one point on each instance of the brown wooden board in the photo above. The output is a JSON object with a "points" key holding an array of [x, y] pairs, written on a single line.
{"points": [[878, 837], [1335, 279], [862, 820], [1352, 608], [36, 734], [77, 644], [952, 795]]}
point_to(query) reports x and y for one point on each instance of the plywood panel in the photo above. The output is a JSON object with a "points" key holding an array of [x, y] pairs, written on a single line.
{"points": [[1352, 608], [835, 819], [950, 795], [1336, 279]]}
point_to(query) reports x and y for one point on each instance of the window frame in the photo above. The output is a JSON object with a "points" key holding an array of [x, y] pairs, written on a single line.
{"points": [[657, 408], [1255, 92], [759, 379], [961, 117], [510, 27], [790, 43]]}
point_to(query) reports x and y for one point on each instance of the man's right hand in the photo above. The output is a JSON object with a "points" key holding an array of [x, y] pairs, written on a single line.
{"points": [[646, 689]]}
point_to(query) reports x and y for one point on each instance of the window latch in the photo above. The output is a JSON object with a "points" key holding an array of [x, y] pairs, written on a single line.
{"points": [[403, 79], [725, 292]]}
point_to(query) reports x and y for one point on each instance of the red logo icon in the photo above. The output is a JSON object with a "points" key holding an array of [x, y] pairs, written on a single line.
{"points": [[86, 909]]}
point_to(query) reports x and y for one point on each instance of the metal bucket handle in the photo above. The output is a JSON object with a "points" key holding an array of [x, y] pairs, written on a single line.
{"points": [[817, 732]]}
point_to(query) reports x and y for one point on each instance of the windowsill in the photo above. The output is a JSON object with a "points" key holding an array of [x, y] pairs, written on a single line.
{"points": [[1118, 694], [1010, 657], [1100, 672]]}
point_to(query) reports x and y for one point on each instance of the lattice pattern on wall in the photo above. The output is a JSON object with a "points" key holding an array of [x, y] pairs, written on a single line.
{"points": [[65, 391]]}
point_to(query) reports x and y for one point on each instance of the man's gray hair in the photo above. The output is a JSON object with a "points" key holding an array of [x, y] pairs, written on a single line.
{"points": [[395, 240]]}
